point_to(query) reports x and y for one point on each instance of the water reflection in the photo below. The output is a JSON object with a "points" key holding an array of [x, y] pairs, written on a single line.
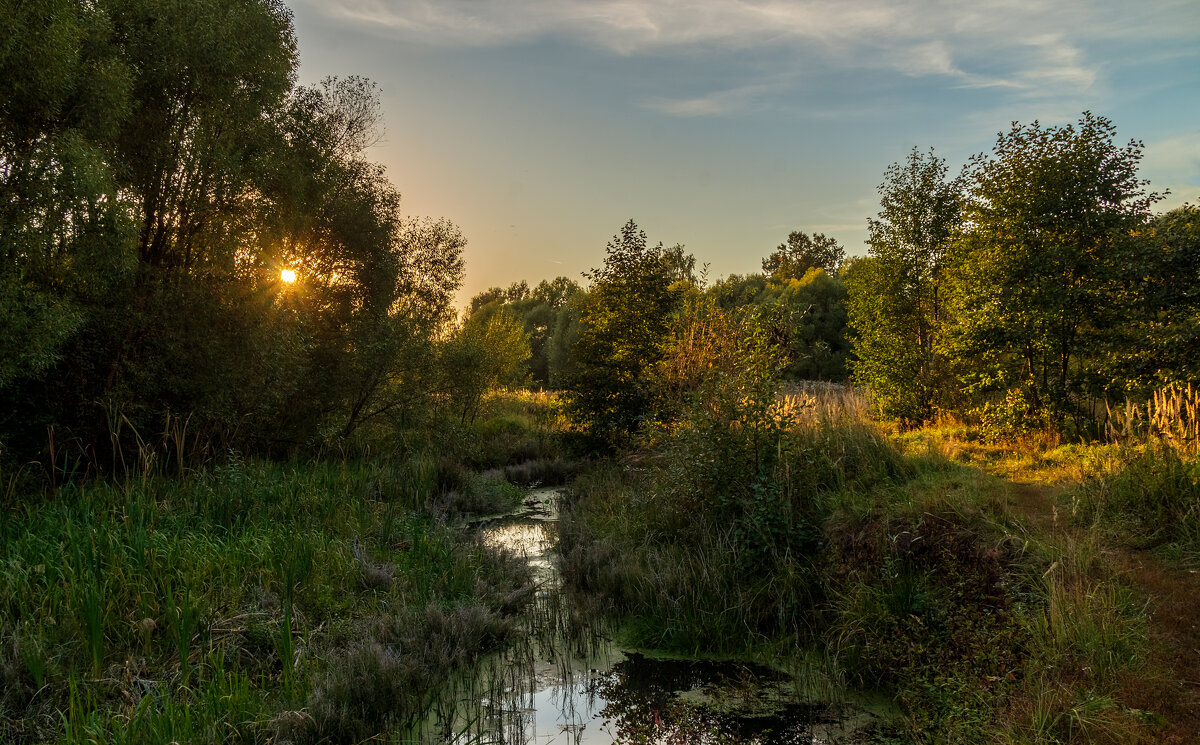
{"points": [[567, 684]]}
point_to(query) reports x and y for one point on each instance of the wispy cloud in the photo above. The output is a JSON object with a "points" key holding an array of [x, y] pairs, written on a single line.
{"points": [[742, 99], [1173, 164], [1026, 46]]}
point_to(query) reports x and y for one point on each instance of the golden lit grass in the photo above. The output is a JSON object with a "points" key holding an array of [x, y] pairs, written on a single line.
{"points": [[1030, 459]]}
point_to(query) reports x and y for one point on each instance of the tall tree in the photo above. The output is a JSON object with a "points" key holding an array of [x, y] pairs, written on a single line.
{"points": [[625, 329], [1041, 273], [897, 297]]}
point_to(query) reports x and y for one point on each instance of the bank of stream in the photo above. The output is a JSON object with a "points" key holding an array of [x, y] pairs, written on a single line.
{"points": [[566, 682]]}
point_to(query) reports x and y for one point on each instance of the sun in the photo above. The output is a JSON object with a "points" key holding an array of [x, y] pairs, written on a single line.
{"points": [[288, 275]]}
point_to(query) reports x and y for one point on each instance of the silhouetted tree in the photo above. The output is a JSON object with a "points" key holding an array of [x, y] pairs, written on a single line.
{"points": [[801, 252]]}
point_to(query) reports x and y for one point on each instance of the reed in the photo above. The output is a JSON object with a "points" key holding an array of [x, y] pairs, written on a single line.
{"points": [[198, 609], [1171, 413]]}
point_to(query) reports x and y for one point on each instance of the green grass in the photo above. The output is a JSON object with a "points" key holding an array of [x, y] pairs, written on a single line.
{"points": [[205, 608], [900, 558], [1148, 497]]}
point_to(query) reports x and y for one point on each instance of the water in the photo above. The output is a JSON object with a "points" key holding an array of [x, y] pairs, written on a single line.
{"points": [[568, 684]]}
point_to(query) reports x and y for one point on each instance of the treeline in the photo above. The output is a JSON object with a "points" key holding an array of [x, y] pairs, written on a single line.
{"points": [[162, 176], [1031, 291], [161, 172], [799, 298]]}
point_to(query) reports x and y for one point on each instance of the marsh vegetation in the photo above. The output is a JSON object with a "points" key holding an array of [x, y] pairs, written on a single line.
{"points": [[261, 482]]}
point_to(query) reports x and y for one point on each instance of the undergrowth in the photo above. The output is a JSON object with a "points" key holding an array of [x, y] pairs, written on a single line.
{"points": [[251, 601], [1149, 498], [754, 535]]}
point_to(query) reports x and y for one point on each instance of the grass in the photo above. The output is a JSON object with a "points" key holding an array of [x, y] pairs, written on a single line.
{"points": [[1148, 497], [335, 601], [904, 556], [321, 601]]}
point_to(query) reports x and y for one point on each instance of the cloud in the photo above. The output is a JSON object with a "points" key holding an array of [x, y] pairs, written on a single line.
{"points": [[1173, 164], [1036, 50], [741, 100], [1177, 155]]}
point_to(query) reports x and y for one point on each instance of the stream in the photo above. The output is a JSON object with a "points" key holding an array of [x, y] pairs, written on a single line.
{"points": [[565, 685]]}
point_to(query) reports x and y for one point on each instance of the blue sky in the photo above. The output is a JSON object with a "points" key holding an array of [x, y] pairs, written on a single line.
{"points": [[541, 126]]}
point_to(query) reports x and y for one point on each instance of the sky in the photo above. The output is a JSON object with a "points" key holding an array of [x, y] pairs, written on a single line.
{"points": [[541, 126]]}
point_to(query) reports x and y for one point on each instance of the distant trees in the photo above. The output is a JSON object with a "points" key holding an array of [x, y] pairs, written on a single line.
{"points": [[549, 314], [487, 352], [801, 252]]}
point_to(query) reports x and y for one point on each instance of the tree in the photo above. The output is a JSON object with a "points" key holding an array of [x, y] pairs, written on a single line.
{"points": [[484, 354], [681, 265], [804, 318], [1161, 342], [801, 252], [65, 237], [807, 318], [1040, 273], [625, 330], [158, 167], [540, 311], [897, 298]]}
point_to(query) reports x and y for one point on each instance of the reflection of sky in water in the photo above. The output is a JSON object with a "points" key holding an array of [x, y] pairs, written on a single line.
{"points": [[529, 532], [657, 702], [568, 715], [553, 697]]}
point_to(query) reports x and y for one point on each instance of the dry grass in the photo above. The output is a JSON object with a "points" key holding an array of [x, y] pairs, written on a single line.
{"points": [[1171, 414]]}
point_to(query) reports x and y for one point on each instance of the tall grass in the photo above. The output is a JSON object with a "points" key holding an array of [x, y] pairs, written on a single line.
{"points": [[1150, 497], [200, 608], [1171, 413], [710, 541], [796, 526]]}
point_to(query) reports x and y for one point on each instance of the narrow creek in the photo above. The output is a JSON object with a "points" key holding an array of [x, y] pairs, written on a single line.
{"points": [[567, 683]]}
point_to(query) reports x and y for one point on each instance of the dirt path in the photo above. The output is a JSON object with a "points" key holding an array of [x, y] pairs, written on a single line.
{"points": [[1174, 596], [1170, 685]]}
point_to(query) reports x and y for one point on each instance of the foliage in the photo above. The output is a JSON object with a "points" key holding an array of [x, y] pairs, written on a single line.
{"points": [[550, 315], [489, 351], [1039, 277], [624, 328], [925, 604], [805, 317], [681, 266], [1151, 497], [218, 605], [1160, 343], [802, 252], [737, 290], [709, 541], [896, 298], [156, 175]]}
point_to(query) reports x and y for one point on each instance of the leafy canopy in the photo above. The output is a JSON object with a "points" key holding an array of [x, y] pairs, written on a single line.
{"points": [[625, 327]]}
